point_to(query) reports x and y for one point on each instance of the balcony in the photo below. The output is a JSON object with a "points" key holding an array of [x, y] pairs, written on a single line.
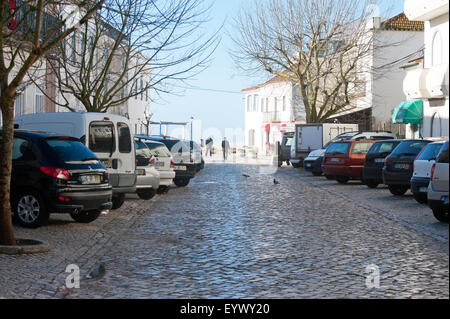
{"points": [[425, 10]]}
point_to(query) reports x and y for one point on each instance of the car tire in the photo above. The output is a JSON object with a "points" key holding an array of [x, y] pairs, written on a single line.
{"points": [[118, 201], [420, 198], [441, 214], [317, 173], [342, 179], [182, 182], [30, 210], [398, 190], [86, 217], [371, 183], [146, 194], [330, 177]]}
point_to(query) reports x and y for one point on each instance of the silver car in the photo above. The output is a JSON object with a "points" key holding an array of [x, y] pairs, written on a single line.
{"points": [[163, 161], [148, 177], [438, 187]]}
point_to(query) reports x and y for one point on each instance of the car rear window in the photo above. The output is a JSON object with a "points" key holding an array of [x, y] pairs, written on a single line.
{"points": [[361, 148], [142, 149], [101, 137], [176, 145], [338, 148], [430, 152], [383, 148], [443, 155], [124, 138], [409, 148], [158, 150], [70, 150]]}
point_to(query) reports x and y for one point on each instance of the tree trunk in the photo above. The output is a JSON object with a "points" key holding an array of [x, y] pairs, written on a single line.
{"points": [[6, 229]]}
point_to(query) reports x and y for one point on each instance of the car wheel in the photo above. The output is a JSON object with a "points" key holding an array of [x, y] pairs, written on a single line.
{"points": [[342, 179], [86, 217], [146, 194], [317, 173], [29, 209], [182, 182], [420, 198], [330, 177], [398, 190], [118, 201], [371, 183], [441, 214]]}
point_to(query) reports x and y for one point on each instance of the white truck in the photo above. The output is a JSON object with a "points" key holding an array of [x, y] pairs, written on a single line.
{"points": [[310, 137]]}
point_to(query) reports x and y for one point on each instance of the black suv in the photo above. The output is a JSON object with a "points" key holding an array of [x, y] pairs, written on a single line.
{"points": [[375, 157], [398, 167], [56, 174]]}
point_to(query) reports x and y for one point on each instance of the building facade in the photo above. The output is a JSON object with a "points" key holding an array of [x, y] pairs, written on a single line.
{"points": [[427, 79], [271, 109]]}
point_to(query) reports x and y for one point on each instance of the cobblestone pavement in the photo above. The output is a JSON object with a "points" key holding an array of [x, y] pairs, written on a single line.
{"points": [[227, 236]]}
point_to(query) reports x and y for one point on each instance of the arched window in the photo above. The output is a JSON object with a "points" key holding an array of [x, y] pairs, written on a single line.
{"points": [[436, 128], [437, 51]]}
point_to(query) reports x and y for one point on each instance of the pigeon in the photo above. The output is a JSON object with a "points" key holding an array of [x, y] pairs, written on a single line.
{"points": [[245, 175], [276, 182], [98, 272]]}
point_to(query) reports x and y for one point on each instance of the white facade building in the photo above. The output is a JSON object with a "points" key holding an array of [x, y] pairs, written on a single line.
{"points": [[271, 108], [428, 79]]}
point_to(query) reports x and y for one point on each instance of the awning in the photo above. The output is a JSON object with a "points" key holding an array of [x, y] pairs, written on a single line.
{"points": [[409, 112]]}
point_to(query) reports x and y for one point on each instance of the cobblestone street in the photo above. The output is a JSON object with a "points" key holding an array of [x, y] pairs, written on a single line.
{"points": [[227, 236]]}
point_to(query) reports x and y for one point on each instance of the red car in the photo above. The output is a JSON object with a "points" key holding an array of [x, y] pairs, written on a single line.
{"points": [[345, 159]]}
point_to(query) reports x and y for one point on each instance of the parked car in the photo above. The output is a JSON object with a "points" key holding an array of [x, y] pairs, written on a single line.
{"points": [[108, 136], [398, 166], [422, 171], [185, 168], [197, 154], [314, 160], [439, 184], [375, 157], [345, 160], [148, 181], [56, 174], [163, 162], [284, 151]]}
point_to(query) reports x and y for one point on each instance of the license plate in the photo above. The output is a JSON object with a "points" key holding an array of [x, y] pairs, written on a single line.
{"points": [[379, 160], [107, 163], [90, 179], [334, 160], [401, 166], [445, 200], [423, 189], [180, 168]]}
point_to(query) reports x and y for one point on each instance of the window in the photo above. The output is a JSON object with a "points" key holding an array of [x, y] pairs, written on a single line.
{"points": [[443, 155], [430, 152], [262, 105], [21, 150], [136, 90], [39, 101], [101, 137], [284, 104], [122, 90], [146, 91], [124, 61], [267, 104], [82, 42], [74, 47], [124, 138], [249, 103], [70, 150], [338, 148], [19, 105], [142, 90], [158, 150], [437, 49], [361, 148], [255, 103]]}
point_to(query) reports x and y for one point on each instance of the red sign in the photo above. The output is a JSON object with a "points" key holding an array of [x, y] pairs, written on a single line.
{"points": [[12, 10]]}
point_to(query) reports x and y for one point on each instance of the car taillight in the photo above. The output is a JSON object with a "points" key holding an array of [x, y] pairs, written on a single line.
{"points": [[172, 164], [432, 171], [58, 173], [386, 161]]}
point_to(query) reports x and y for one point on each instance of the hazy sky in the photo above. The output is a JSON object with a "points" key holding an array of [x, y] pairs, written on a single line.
{"points": [[217, 109]]}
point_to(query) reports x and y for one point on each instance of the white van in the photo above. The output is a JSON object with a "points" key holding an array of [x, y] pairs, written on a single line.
{"points": [[108, 136]]}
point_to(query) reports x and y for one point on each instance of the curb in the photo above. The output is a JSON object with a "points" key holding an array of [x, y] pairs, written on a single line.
{"points": [[25, 246]]}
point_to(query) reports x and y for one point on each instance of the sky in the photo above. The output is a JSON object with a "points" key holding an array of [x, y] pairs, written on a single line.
{"points": [[219, 105]]}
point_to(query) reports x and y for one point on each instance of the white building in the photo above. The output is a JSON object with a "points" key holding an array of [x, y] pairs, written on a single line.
{"points": [[395, 41], [271, 108], [427, 80]]}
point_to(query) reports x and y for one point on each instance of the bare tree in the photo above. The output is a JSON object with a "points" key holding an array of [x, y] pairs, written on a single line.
{"points": [[29, 30], [128, 48], [317, 44]]}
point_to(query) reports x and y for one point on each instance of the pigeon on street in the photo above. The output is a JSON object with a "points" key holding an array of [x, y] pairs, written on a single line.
{"points": [[245, 175], [276, 182], [98, 272]]}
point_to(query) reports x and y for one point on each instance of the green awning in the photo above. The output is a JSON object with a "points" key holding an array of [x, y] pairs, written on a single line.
{"points": [[409, 112]]}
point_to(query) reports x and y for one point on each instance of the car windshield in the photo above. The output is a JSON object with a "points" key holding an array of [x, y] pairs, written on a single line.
{"points": [[158, 150], [430, 152], [338, 148], [383, 148], [70, 151], [142, 150], [409, 148], [361, 148]]}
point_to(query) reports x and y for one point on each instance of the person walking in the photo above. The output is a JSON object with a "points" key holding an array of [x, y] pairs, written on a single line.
{"points": [[209, 145], [225, 148]]}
